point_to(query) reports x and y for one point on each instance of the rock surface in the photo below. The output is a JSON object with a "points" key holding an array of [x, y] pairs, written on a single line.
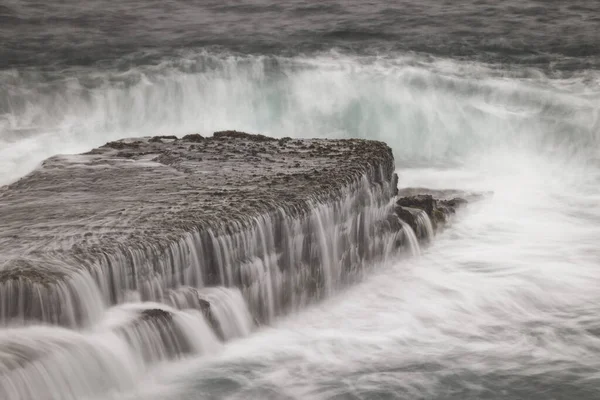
{"points": [[439, 205], [115, 217], [437, 210]]}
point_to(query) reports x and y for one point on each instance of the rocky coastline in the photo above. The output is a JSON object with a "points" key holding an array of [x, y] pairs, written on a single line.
{"points": [[144, 217]]}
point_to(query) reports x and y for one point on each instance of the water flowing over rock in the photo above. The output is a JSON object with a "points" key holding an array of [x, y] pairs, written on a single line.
{"points": [[224, 309], [163, 247], [428, 210], [46, 362], [160, 248], [283, 220]]}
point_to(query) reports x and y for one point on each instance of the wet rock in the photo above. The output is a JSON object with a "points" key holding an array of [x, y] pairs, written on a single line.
{"points": [[395, 184], [282, 142], [194, 137], [214, 323], [21, 269], [156, 335], [189, 297], [444, 194], [425, 202], [438, 210], [122, 215], [202, 300], [453, 204], [242, 135], [156, 313], [122, 144], [406, 216]]}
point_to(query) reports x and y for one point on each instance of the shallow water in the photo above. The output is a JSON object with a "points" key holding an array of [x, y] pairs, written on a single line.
{"points": [[470, 95]]}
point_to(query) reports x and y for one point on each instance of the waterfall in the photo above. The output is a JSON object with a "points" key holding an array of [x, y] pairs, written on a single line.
{"points": [[50, 362], [55, 363], [424, 226], [278, 260], [138, 306], [225, 309], [411, 238]]}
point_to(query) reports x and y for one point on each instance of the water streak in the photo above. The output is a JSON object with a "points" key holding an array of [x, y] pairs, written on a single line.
{"points": [[280, 262], [424, 225]]}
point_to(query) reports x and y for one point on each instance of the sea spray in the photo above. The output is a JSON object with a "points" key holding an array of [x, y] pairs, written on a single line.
{"points": [[434, 111]]}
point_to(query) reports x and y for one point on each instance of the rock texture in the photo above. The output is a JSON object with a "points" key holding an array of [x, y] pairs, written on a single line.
{"points": [[439, 205], [82, 230]]}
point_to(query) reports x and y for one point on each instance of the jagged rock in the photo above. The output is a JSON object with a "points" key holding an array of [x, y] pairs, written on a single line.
{"points": [[438, 210], [406, 216], [425, 202]]}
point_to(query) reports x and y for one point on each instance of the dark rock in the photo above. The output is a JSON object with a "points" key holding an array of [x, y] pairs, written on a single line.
{"points": [[206, 309], [283, 141], [133, 199], [395, 184], [243, 135], [194, 137], [406, 216], [156, 313], [444, 194], [425, 202], [438, 218], [121, 144], [438, 211], [195, 299], [453, 203]]}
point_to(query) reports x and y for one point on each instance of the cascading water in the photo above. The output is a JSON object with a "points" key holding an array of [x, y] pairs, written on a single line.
{"points": [[424, 226], [475, 96], [56, 363], [280, 263], [514, 278], [226, 308]]}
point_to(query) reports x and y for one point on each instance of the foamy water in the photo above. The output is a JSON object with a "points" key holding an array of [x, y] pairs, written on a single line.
{"points": [[503, 304], [429, 111]]}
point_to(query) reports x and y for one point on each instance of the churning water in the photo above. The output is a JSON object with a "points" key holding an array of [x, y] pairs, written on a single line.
{"points": [[471, 96]]}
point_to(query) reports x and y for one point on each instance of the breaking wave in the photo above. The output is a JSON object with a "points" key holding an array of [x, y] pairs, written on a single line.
{"points": [[428, 110]]}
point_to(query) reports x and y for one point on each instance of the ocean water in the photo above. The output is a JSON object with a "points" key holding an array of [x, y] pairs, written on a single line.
{"points": [[471, 95]]}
